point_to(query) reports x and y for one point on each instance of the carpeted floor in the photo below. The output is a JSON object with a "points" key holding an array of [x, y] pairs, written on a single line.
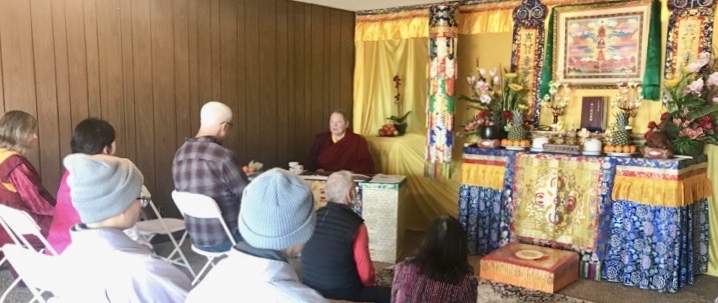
{"points": [[704, 290]]}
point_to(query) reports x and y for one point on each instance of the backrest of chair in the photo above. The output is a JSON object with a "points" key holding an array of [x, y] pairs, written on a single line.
{"points": [[20, 223], [196, 205], [35, 268], [200, 206]]}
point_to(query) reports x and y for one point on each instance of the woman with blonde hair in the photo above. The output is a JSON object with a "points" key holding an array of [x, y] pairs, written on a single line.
{"points": [[20, 184]]}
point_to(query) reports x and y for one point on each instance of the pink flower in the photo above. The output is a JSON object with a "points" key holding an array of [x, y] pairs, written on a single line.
{"points": [[695, 87], [482, 87], [485, 99], [712, 80], [677, 121]]}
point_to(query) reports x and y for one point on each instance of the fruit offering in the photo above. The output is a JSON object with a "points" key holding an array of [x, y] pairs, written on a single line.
{"points": [[515, 143], [388, 130], [252, 167], [628, 149]]}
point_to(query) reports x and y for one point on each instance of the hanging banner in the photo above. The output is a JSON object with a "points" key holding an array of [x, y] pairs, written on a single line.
{"points": [[690, 32], [527, 51], [443, 32]]}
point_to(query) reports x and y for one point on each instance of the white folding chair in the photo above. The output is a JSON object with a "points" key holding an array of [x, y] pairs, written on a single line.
{"points": [[202, 207], [166, 226], [36, 269], [18, 224]]}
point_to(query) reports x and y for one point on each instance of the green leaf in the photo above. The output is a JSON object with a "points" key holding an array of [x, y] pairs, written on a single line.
{"points": [[705, 111]]}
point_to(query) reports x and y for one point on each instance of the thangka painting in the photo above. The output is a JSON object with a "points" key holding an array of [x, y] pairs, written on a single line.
{"points": [[601, 45]]}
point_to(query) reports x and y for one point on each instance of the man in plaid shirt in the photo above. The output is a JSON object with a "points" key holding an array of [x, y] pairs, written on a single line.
{"points": [[203, 166]]}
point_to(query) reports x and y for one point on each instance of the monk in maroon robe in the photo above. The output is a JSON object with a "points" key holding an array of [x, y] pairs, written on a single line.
{"points": [[20, 184], [340, 149]]}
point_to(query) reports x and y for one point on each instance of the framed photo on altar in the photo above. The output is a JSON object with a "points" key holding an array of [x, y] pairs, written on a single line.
{"points": [[601, 44], [594, 113]]}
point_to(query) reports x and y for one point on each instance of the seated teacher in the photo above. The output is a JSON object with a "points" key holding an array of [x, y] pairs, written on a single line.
{"points": [[340, 149]]}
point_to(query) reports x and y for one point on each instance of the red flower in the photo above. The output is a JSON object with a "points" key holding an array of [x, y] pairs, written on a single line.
{"points": [[664, 116], [651, 125], [508, 115]]}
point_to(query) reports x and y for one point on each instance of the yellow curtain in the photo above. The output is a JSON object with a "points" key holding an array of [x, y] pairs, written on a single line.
{"points": [[712, 152], [376, 64]]}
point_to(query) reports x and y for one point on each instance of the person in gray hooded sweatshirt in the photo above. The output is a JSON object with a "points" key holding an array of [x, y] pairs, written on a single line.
{"points": [[103, 264]]}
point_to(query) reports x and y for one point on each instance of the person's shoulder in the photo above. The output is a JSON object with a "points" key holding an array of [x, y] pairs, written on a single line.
{"points": [[322, 135]]}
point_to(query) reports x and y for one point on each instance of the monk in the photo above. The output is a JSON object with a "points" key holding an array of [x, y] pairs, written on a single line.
{"points": [[340, 149]]}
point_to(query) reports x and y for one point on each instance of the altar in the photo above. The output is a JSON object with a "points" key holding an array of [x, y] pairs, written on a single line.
{"points": [[640, 222]]}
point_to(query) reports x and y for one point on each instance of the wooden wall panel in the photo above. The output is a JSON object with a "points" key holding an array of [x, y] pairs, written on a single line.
{"points": [[147, 66]]}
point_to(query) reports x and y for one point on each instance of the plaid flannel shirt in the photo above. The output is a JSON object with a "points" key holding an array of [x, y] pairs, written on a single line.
{"points": [[203, 166]]}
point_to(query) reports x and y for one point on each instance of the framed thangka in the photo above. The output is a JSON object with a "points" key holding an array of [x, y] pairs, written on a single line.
{"points": [[601, 44], [527, 51]]}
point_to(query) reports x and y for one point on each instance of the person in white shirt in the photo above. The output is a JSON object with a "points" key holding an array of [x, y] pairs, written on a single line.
{"points": [[103, 263], [276, 218]]}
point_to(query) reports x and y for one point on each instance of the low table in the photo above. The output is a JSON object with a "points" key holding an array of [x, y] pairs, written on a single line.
{"points": [[554, 270]]}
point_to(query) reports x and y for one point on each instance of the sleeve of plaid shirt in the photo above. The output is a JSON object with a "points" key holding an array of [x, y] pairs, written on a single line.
{"points": [[234, 176]]}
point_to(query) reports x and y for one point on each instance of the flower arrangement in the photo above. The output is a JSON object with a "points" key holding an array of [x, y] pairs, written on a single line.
{"points": [[398, 125], [691, 100], [498, 97]]}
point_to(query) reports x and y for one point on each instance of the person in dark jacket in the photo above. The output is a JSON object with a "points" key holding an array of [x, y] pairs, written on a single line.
{"points": [[336, 260]]}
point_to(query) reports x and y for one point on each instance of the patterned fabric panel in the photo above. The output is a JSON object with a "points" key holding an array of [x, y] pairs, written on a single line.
{"points": [[659, 248]]}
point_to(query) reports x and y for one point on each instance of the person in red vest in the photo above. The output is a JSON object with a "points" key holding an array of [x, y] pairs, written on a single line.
{"points": [[340, 149]]}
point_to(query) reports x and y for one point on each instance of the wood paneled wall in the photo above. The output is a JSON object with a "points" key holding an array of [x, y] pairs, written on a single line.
{"points": [[147, 66]]}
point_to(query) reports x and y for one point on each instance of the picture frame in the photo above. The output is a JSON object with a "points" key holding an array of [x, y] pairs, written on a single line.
{"points": [[600, 45], [594, 113]]}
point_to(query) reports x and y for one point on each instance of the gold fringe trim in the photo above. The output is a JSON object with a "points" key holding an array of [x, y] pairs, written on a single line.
{"points": [[665, 193], [490, 176], [393, 26]]}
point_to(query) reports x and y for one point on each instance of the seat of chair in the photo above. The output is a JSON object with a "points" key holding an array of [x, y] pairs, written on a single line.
{"points": [[154, 226], [209, 253]]}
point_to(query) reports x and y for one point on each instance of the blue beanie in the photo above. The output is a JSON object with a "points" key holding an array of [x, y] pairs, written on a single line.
{"points": [[277, 211], [102, 186]]}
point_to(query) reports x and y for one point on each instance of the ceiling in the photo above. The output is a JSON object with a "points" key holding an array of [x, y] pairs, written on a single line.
{"points": [[362, 5]]}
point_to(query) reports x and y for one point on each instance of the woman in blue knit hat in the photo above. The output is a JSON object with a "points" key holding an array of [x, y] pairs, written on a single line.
{"points": [[276, 218]]}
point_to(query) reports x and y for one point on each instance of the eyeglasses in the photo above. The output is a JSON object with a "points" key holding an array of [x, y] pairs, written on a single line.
{"points": [[144, 200]]}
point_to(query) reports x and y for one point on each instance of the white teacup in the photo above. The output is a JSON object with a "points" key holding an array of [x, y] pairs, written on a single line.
{"points": [[539, 142], [293, 164], [297, 169]]}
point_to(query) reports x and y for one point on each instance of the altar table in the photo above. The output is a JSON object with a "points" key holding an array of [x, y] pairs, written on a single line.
{"points": [[640, 222], [381, 203]]}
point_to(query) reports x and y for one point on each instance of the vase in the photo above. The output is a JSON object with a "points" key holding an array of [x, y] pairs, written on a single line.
{"points": [[401, 128], [691, 148], [494, 132]]}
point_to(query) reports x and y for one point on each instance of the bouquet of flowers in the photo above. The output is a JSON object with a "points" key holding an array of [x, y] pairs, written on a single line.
{"points": [[500, 100], [691, 101]]}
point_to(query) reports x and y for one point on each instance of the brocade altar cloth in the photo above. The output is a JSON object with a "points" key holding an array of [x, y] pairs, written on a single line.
{"points": [[641, 222]]}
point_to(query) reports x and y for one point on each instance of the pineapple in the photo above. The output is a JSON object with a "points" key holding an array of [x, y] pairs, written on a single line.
{"points": [[620, 136], [517, 132]]}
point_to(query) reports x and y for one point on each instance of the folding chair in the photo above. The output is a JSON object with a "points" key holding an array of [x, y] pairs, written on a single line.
{"points": [[36, 269], [203, 207], [166, 226], [18, 223]]}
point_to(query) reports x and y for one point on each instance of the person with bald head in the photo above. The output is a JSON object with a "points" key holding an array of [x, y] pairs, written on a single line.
{"points": [[340, 149], [203, 166]]}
